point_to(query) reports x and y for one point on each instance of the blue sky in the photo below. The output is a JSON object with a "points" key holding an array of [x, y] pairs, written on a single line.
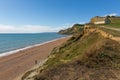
{"points": [[20, 15]]}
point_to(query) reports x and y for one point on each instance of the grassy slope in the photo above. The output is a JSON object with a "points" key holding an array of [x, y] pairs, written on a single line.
{"points": [[83, 57], [115, 22], [75, 47]]}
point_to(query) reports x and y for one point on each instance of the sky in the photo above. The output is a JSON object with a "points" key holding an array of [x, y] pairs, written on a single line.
{"points": [[35, 16]]}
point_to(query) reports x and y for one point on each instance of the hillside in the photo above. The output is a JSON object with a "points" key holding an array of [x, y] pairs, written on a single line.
{"points": [[75, 28], [89, 55]]}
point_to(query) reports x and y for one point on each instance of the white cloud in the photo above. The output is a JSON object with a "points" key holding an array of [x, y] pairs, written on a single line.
{"points": [[112, 14], [28, 29]]}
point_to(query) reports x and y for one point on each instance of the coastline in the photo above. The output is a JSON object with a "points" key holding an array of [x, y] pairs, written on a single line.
{"points": [[15, 64], [27, 47]]}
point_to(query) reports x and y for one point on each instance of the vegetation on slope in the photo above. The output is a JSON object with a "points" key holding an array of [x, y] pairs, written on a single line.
{"points": [[85, 56], [75, 28], [115, 22]]}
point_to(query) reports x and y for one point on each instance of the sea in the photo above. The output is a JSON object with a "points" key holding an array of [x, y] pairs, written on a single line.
{"points": [[13, 42]]}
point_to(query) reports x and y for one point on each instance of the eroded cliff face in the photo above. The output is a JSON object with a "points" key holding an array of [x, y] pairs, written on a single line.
{"points": [[89, 55]]}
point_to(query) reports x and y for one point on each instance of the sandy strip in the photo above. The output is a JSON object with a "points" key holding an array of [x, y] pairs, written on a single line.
{"points": [[13, 65]]}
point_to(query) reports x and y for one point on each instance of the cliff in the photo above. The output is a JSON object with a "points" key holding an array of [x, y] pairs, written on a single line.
{"points": [[75, 28], [89, 55]]}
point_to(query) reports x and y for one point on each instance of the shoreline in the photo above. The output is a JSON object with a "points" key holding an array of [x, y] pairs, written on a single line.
{"points": [[28, 47], [16, 64]]}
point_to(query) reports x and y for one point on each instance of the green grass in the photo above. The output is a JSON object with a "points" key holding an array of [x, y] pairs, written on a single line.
{"points": [[115, 23]]}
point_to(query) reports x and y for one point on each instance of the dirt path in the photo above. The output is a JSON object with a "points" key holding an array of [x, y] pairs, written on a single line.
{"points": [[116, 29]]}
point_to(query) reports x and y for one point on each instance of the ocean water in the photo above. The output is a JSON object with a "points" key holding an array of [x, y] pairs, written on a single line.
{"points": [[10, 42]]}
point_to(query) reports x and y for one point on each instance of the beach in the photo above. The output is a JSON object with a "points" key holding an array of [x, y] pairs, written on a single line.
{"points": [[14, 65]]}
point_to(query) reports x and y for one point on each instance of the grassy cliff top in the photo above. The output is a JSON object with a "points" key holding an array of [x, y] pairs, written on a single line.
{"points": [[115, 22]]}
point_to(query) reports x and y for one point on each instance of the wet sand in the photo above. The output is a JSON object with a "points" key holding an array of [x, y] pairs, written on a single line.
{"points": [[14, 65]]}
